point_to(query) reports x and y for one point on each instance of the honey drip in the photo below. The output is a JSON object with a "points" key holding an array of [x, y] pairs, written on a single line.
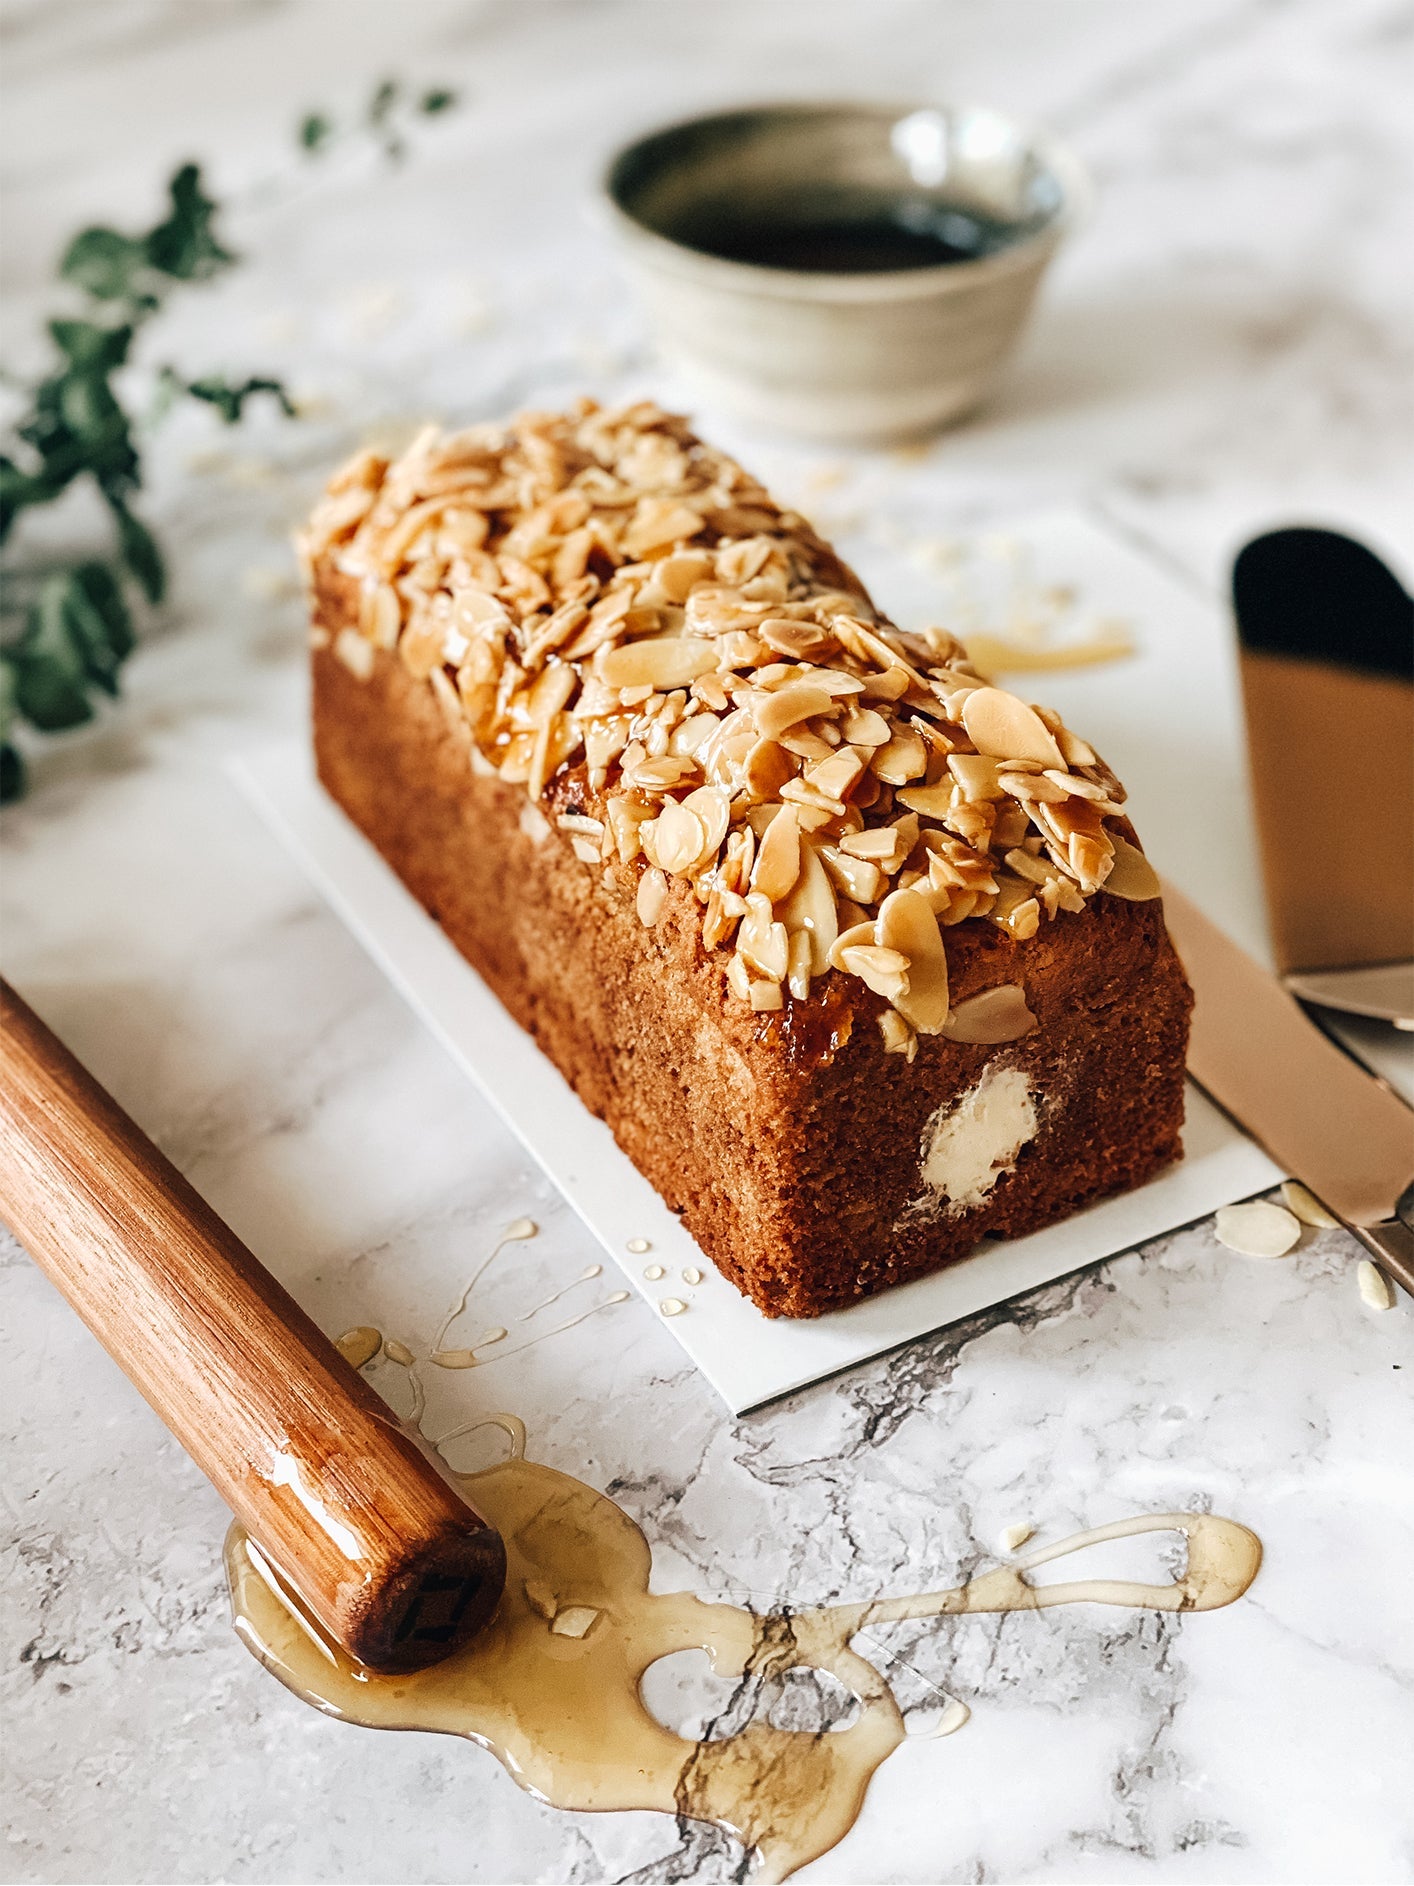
{"points": [[552, 1685]]}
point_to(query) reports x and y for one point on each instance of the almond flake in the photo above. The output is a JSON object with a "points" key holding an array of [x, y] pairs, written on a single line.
{"points": [[778, 857], [662, 662], [1376, 1292], [1004, 727], [884, 971], [354, 653], [652, 897], [1304, 1204], [906, 923], [1257, 1229], [1131, 876], [788, 706]]}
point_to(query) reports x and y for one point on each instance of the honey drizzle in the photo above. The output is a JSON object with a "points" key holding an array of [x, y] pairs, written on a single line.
{"points": [[563, 1713]]}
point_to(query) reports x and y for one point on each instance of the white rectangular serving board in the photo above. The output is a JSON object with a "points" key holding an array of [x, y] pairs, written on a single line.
{"points": [[1152, 716]]}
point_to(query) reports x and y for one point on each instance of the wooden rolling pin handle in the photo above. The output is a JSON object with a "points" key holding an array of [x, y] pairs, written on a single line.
{"points": [[373, 1542]]}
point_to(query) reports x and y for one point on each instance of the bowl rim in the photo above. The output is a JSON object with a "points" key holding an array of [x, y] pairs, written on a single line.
{"points": [[1029, 252]]}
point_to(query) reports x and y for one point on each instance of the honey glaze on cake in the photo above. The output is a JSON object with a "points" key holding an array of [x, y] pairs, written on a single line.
{"points": [[690, 685], [552, 1686]]}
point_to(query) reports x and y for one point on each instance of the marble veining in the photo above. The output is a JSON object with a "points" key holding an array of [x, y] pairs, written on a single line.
{"points": [[1224, 348]]}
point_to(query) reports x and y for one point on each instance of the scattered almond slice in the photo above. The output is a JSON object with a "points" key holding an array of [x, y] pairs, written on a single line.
{"points": [[1257, 1229], [1304, 1205], [1376, 1291], [1013, 1537]]}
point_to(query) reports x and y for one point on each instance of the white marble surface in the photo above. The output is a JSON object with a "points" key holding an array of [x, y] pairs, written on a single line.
{"points": [[1224, 348]]}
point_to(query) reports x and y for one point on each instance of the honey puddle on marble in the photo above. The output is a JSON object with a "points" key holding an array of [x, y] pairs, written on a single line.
{"points": [[551, 1686]]}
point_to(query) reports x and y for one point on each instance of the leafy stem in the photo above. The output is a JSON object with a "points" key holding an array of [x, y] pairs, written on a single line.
{"points": [[77, 628]]}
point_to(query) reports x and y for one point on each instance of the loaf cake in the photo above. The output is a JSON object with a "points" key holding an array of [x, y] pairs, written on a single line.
{"points": [[856, 954]]}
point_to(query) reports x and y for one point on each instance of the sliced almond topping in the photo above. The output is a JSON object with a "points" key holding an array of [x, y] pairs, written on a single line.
{"points": [[762, 941], [999, 724], [778, 857], [677, 576], [662, 662], [1033, 787], [996, 1015], [711, 806], [800, 964], [768, 768], [906, 923], [354, 653], [880, 843], [801, 640], [884, 971], [835, 777], [899, 1038], [659, 521], [788, 706], [902, 758], [858, 878], [652, 897], [556, 567], [852, 937], [866, 728], [934, 802], [810, 908], [1131, 876], [675, 840]]}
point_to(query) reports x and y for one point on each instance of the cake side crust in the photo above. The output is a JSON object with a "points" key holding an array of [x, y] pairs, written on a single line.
{"points": [[798, 1173]]}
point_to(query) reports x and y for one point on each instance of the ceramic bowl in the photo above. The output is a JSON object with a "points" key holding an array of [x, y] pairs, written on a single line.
{"points": [[851, 357]]}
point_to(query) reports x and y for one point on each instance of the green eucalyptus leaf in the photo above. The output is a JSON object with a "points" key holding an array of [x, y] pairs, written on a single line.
{"points": [[105, 264], [382, 102], [19, 489], [9, 704], [99, 620], [139, 552], [215, 390], [185, 245], [49, 694], [315, 131], [12, 775], [91, 347], [439, 99]]}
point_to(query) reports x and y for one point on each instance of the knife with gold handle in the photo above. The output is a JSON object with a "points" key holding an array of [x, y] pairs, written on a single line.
{"points": [[1330, 1122]]}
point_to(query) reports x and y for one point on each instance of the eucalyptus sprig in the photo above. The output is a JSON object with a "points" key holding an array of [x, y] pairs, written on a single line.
{"points": [[66, 630], [76, 620], [384, 117]]}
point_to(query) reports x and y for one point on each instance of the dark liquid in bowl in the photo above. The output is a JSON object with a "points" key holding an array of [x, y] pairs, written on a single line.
{"points": [[874, 238]]}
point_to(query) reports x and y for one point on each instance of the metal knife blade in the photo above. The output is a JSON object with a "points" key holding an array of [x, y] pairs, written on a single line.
{"points": [[1327, 664], [1330, 1123]]}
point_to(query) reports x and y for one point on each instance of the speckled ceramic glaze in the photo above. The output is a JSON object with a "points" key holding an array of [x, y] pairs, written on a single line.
{"points": [[852, 357]]}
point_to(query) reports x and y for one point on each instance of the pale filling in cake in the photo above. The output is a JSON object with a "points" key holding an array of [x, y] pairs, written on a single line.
{"points": [[969, 1144]]}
